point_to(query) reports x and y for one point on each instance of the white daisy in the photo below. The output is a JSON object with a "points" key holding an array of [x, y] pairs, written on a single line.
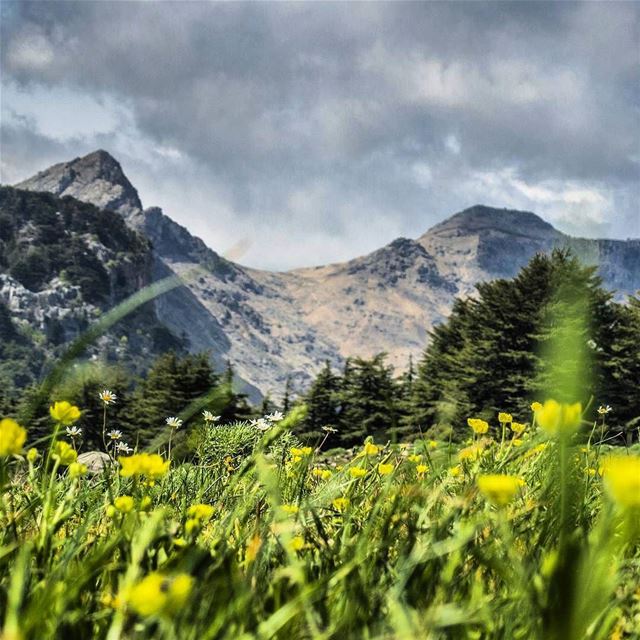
{"points": [[173, 422], [107, 397], [261, 424]]}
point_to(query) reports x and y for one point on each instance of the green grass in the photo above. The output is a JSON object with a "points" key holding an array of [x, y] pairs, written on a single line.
{"points": [[406, 555]]}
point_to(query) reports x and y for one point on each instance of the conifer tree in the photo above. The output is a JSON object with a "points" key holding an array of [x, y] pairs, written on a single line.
{"points": [[368, 398], [404, 403], [170, 386], [493, 353], [287, 396], [620, 368], [235, 404], [323, 407], [267, 405]]}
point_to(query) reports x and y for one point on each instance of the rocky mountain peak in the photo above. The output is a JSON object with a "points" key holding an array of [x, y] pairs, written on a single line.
{"points": [[275, 325], [481, 219], [96, 178]]}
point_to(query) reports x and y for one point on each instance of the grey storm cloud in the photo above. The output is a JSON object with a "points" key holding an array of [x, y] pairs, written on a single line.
{"points": [[331, 114]]}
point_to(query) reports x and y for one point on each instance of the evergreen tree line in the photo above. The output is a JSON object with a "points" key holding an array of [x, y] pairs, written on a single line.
{"points": [[552, 331], [172, 385]]}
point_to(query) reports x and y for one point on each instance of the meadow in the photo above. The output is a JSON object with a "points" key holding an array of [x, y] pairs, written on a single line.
{"points": [[529, 529]]}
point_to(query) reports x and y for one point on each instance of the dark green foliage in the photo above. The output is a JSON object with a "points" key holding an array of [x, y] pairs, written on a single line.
{"points": [[368, 394], [286, 398], [267, 405], [436, 388], [495, 351], [362, 402], [7, 331], [169, 387], [323, 407], [620, 365], [21, 361], [404, 404], [235, 406], [82, 387], [44, 237]]}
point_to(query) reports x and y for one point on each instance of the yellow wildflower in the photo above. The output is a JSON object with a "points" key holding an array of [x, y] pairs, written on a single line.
{"points": [[77, 469], [556, 418], [253, 546], [323, 474], [518, 427], [341, 504], [159, 595], [124, 504], [535, 407], [421, 469], [12, 437], [416, 457], [200, 512], [517, 442], [64, 453], [110, 601], [301, 451], [297, 543], [478, 426], [385, 469], [32, 455], [505, 417], [499, 489], [150, 465], [454, 472], [290, 508], [357, 472], [64, 412], [192, 526], [145, 503], [370, 449], [622, 479], [433, 444], [472, 452], [537, 449]]}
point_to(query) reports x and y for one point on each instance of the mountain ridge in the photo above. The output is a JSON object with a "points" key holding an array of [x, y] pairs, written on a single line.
{"points": [[272, 325]]}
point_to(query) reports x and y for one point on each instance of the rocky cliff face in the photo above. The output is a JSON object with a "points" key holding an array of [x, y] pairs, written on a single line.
{"points": [[96, 178], [482, 243], [271, 325], [63, 263]]}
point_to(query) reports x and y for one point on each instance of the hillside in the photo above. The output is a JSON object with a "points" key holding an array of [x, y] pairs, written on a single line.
{"points": [[273, 325], [62, 264]]}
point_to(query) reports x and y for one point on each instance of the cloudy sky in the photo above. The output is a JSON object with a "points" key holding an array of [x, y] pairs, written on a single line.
{"points": [[321, 131]]}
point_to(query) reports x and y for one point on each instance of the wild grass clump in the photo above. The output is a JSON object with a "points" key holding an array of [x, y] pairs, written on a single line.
{"points": [[533, 534]]}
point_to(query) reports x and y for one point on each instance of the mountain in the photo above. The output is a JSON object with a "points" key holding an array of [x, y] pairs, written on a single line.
{"points": [[96, 178], [63, 263], [277, 324]]}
